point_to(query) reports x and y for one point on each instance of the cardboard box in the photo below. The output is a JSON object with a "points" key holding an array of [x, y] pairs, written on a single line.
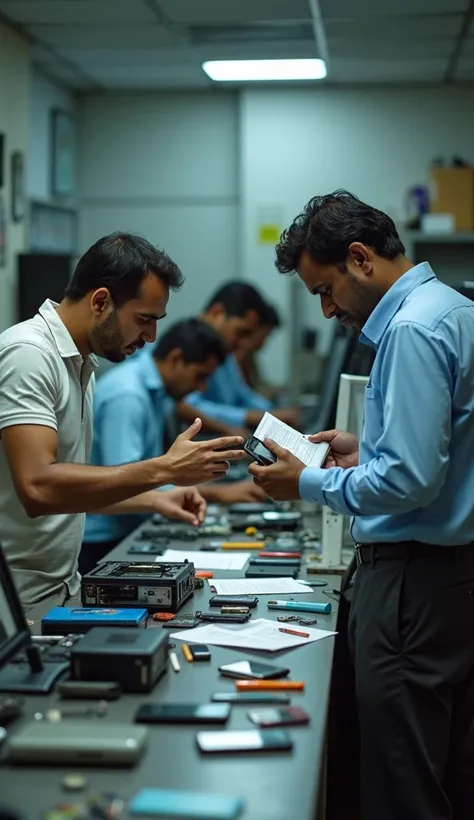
{"points": [[452, 192]]}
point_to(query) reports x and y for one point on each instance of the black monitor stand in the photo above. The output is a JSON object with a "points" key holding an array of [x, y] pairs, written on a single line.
{"points": [[30, 675]]}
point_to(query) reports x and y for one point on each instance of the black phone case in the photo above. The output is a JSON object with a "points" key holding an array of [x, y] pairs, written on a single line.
{"points": [[217, 617], [163, 714], [233, 600], [271, 571]]}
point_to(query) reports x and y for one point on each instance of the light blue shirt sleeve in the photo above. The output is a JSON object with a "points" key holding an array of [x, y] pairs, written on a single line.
{"points": [[225, 413], [245, 396], [409, 421]]}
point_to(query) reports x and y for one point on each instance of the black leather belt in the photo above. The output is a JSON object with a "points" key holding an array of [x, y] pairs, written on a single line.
{"points": [[403, 550]]}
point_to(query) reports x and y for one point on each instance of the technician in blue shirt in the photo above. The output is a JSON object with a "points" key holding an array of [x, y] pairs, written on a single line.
{"points": [[132, 404], [409, 483], [236, 311]]}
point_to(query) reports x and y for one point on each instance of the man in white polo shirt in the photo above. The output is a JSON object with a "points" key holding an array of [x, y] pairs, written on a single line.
{"points": [[117, 294]]}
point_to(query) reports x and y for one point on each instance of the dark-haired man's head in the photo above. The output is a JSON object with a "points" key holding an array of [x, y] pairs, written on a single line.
{"points": [[235, 310], [346, 252], [257, 339], [186, 355], [122, 284]]}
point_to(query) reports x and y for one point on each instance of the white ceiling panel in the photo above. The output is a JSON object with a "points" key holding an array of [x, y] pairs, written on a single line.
{"points": [[173, 76], [397, 29], [393, 50], [73, 12], [385, 71], [113, 36], [350, 9], [216, 12]]}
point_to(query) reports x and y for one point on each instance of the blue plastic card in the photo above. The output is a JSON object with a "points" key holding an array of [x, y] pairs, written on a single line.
{"points": [[95, 616], [196, 805]]}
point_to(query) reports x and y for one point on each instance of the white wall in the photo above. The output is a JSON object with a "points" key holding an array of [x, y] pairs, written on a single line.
{"points": [[165, 166], [44, 97], [14, 66], [375, 142]]}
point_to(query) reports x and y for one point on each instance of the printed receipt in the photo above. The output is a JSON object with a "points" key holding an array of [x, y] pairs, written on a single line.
{"points": [[312, 455]]}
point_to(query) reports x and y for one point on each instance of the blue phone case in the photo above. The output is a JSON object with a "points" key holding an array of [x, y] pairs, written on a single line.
{"points": [[167, 803]]}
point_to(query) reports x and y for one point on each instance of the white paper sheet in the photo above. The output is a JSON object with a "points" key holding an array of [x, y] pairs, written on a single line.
{"points": [[312, 455], [256, 586], [207, 560], [261, 634]]}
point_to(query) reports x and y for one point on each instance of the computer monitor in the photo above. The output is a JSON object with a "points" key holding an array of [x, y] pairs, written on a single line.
{"points": [[349, 419], [14, 631], [342, 348], [350, 404]]}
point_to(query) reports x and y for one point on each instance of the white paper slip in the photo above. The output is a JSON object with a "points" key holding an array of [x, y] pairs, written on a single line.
{"points": [[312, 455], [207, 560], [256, 586], [261, 634]]}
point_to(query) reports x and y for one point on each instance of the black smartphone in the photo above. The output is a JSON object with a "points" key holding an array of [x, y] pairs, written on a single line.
{"points": [[200, 652], [181, 623], [257, 450], [249, 740], [233, 600], [218, 617], [146, 549], [246, 698], [183, 713], [284, 716], [267, 570], [253, 669], [275, 562]]}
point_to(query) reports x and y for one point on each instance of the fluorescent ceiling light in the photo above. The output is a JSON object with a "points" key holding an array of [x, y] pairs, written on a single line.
{"points": [[264, 70]]}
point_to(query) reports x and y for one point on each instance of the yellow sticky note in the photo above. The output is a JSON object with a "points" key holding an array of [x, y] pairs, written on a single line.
{"points": [[268, 234]]}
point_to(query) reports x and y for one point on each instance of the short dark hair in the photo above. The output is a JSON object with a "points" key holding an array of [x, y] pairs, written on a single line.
{"points": [[272, 319], [327, 227], [120, 262], [196, 339], [237, 298]]}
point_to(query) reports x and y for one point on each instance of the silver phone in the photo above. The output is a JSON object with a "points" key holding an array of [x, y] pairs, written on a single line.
{"points": [[78, 742]]}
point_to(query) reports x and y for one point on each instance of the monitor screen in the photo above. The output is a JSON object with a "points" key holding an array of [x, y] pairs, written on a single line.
{"points": [[14, 631], [350, 404]]}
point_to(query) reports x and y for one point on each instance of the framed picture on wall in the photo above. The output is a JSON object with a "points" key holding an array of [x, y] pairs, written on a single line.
{"points": [[18, 186], [2, 170], [3, 235], [63, 148]]}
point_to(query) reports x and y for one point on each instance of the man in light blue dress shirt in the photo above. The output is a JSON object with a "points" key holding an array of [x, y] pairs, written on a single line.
{"points": [[409, 483], [236, 311]]}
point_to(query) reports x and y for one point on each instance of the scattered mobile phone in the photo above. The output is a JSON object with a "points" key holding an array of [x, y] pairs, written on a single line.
{"points": [[277, 553], [233, 600], [271, 740], [200, 652], [275, 561], [183, 713], [271, 571], [280, 517], [100, 690], [181, 623], [246, 698], [252, 669], [156, 548], [212, 617], [284, 716], [257, 450]]}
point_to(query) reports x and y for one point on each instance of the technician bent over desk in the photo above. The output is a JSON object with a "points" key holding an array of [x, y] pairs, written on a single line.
{"points": [[271, 785]]}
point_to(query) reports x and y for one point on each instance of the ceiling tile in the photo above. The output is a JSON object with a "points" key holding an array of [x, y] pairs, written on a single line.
{"points": [[204, 12], [398, 29], [73, 12], [113, 36], [348, 71], [333, 9], [393, 50], [176, 76]]}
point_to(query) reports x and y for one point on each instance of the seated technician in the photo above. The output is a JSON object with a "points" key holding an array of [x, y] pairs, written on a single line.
{"points": [[133, 402], [246, 355], [236, 311]]}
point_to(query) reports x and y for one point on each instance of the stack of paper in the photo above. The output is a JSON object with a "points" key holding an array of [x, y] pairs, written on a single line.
{"points": [[207, 560], [261, 634], [257, 586]]}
